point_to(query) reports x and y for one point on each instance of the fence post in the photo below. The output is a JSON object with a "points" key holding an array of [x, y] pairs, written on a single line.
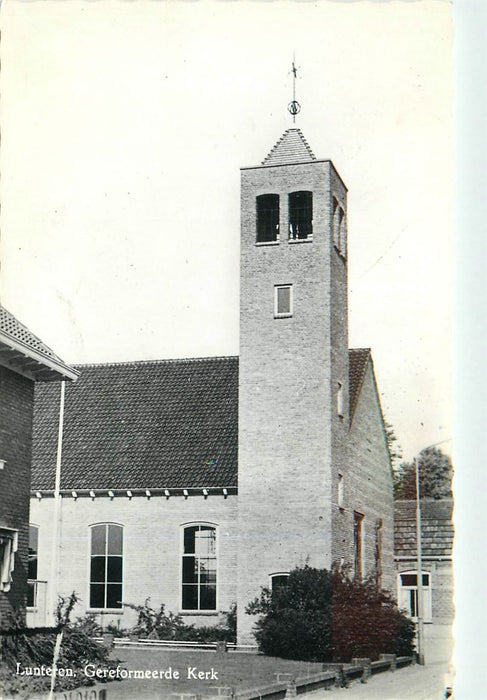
{"points": [[391, 658], [366, 668]]}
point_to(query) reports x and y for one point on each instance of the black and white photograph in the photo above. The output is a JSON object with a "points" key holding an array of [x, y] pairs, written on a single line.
{"points": [[226, 396]]}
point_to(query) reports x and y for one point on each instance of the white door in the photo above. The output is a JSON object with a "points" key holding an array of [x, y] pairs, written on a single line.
{"points": [[408, 594]]}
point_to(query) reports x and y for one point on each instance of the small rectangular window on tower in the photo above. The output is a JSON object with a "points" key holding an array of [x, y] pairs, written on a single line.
{"points": [[283, 301], [341, 490], [340, 401]]}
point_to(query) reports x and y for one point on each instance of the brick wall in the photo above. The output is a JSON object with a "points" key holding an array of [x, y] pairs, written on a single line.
{"points": [[368, 487], [152, 548], [16, 402]]}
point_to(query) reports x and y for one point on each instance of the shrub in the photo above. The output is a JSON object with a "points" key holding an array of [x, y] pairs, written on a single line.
{"points": [[158, 624], [323, 615], [35, 649]]}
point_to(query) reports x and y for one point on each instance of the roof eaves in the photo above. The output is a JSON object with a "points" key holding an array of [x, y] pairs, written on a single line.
{"points": [[55, 366]]}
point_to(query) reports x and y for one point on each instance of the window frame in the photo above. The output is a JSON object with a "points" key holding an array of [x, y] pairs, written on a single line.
{"points": [[8, 548], [182, 554], [341, 491], [91, 608], [276, 303], [339, 227], [378, 547], [358, 545], [427, 594], [32, 582], [340, 400], [258, 210], [293, 236], [275, 575]]}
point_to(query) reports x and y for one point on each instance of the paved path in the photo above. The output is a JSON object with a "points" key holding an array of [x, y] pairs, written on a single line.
{"points": [[412, 683]]}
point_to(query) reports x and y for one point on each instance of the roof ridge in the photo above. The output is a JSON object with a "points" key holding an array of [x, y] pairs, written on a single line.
{"points": [[127, 363]]}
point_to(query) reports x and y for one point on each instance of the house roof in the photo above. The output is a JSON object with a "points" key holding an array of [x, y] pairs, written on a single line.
{"points": [[167, 424], [292, 147], [358, 359], [24, 353], [436, 526], [146, 425]]}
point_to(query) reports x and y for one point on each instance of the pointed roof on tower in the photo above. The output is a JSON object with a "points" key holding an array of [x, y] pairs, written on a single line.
{"points": [[292, 147]]}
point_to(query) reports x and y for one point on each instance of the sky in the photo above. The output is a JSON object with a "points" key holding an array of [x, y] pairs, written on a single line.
{"points": [[125, 124]]}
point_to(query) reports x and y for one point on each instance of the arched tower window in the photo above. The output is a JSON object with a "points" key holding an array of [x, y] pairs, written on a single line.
{"points": [[339, 228], [267, 218], [199, 575], [342, 233], [300, 215], [335, 223], [106, 566]]}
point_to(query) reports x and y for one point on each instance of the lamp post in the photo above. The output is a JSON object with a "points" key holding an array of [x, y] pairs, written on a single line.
{"points": [[419, 553]]}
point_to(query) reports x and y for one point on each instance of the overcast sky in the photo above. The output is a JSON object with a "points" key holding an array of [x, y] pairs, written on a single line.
{"points": [[124, 126]]}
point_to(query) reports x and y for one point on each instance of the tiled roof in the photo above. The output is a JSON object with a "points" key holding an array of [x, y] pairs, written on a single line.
{"points": [[436, 526], [10, 325], [292, 147], [25, 353], [166, 424], [357, 366]]}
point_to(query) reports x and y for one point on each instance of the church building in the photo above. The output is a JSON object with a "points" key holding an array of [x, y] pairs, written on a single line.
{"points": [[196, 482]]}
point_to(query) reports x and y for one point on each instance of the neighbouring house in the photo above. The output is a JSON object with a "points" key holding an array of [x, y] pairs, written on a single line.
{"points": [[24, 361], [437, 567], [195, 482]]}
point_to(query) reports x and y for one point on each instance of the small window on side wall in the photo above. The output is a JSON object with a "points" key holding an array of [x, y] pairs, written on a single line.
{"points": [[32, 566], [358, 527], [8, 547], [278, 581], [341, 491], [283, 300], [300, 215], [340, 401], [267, 218]]}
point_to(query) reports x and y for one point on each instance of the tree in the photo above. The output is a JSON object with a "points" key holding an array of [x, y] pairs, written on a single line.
{"points": [[395, 451], [435, 476]]}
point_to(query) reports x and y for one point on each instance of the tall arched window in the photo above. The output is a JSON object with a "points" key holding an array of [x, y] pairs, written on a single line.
{"points": [[300, 215], [106, 566], [267, 218], [199, 571]]}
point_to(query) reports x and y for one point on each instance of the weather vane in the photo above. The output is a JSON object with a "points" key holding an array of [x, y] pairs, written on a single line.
{"points": [[294, 107]]}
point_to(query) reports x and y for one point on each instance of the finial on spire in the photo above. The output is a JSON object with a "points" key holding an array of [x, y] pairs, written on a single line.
{"points": [[294, 107]]}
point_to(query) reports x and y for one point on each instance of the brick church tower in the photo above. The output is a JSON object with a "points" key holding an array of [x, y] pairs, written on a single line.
{"points": [[293, 377]]}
